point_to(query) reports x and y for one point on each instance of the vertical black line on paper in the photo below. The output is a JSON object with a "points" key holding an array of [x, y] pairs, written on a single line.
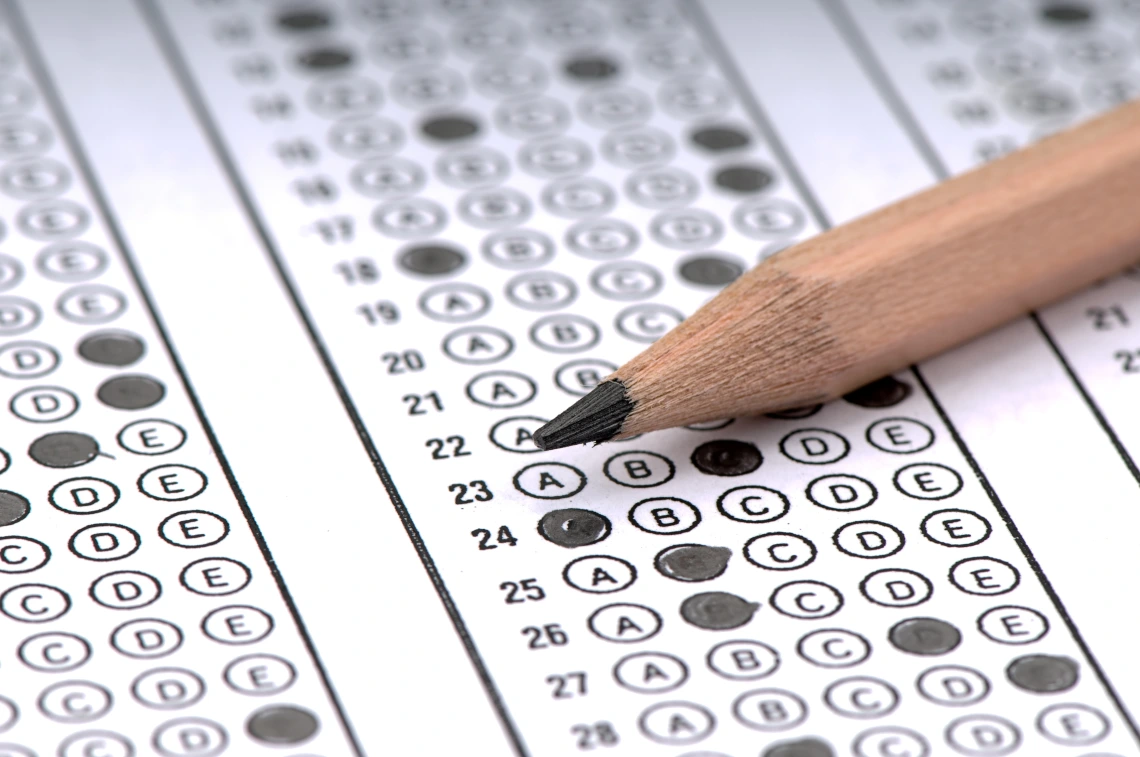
{"points": [[196, 100], [38, 67], [877, 73], [759, 116]]}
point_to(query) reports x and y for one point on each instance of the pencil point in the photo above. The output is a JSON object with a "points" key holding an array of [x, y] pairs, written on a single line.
{"points": [[597, 417]]}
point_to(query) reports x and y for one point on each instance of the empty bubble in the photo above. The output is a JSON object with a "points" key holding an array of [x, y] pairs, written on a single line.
{"points": [[574, 527], [116, 348], [717, 610], [727, 457], [1043, 673], [885, 392], [282, 724], [13, 508], [692, 562], [130, 392], [63, 449], [924, 636]]}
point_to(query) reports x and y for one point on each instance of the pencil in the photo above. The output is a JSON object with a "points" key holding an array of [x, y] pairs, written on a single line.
{"points": [[887, 290]]}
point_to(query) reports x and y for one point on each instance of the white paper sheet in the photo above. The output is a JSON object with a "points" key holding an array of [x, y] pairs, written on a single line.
{"points": [[369, 246]]}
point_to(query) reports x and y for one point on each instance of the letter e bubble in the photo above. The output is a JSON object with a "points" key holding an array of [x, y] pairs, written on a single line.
{"points": [[172, 483], [900, 436], [193, 529], [928, 481]]}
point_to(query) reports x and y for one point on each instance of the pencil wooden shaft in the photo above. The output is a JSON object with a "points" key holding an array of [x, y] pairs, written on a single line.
{"points": [[902, 284]]}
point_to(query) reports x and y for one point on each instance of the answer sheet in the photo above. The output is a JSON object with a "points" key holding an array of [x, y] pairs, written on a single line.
{"points": [[286, 287]]}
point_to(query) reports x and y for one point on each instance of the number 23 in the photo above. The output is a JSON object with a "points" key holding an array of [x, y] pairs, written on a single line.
{"points": [[478, 489]]}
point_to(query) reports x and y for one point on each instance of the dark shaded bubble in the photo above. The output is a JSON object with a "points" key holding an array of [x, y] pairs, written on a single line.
{"points": [[727, 457], [282, 724], [63, 449], [924, 636], [131, 392], [574, 527], [1043, 673], [718, 138], [1067, 13], [13, 508], [743, 179], [692, 562], [304, 19], [112, 348], [884, 392], [592, 68], [809, 747], [717, 610], [325, 58], [709, 270], [431, 259], [448, 128], [795, 413]]}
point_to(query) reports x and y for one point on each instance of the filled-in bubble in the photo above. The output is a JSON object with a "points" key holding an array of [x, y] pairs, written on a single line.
{"points": [[431, 259], [303, 19], [13, 507], [743, 179], [720, 138], [795, 413], [132, 392], [692, 562], [1043, 673], [1067, 13], [574, 527], [727, 457], [282, 724], [116, 348], [924, 636], [807, 747], [63, 449], [450, 128], [591, 68], [325, 59], [717, 610], [710, 270], [884, 392]]}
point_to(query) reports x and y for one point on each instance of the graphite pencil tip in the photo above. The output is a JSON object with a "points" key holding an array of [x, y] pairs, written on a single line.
{"points": [[597, 417]]}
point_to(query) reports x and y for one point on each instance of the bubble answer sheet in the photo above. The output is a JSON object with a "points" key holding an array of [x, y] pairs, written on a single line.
{"points": [[286, 287]]}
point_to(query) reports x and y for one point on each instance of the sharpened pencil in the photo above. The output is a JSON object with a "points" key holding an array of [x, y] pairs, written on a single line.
{"points": [[887, 290]]}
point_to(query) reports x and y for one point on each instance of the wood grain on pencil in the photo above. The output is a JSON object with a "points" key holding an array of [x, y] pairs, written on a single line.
{"points": [[902, 284]]}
